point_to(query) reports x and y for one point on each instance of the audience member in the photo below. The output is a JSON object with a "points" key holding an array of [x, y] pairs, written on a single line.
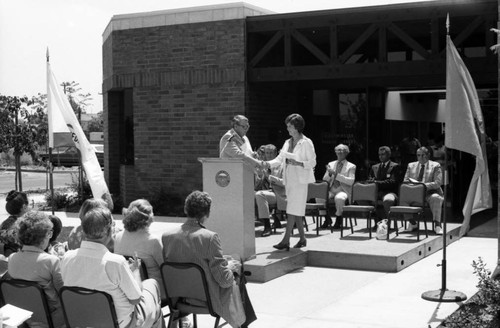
{"points": [[33, 264], [76, 235], [56, 248], [16, 205], [265, 153], [340, 175], [270, 196], [298, 159], [429, 173], [93, 266], [387, 176], [408, 148], [137, 240], [192, 242], [235, 144]]}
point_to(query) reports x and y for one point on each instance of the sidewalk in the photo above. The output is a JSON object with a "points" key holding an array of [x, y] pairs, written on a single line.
{"points": [[320, 297]]}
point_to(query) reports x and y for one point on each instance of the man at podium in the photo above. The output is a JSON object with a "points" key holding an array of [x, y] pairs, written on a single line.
{"points": [[235, 144]]}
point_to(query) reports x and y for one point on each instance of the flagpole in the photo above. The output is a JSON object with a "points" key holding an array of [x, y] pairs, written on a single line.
{"points": [[444, 294], [49, 100]]}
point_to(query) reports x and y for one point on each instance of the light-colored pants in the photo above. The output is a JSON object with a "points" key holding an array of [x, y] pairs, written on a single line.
{"points": [[148, 312], [264, 198], [435, 202], [389, 200], [339, 198]]}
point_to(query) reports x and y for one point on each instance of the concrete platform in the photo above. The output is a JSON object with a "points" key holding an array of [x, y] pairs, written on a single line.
{"points": [[354, 251]]}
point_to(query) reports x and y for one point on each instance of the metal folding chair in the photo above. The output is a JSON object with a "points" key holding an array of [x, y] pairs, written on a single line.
{"points": [[364, 199], [411, 202], [85, 307], [27, 295], [317, 190], [187, 291]]}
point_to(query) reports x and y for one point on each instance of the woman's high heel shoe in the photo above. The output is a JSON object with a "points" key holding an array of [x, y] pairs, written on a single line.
{"points": [[281, 246], [300, 244]]}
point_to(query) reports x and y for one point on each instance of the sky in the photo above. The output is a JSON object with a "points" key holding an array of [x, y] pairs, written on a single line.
{"points": [[72, 31]]}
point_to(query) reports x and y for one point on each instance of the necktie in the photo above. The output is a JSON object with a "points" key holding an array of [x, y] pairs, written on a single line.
{"points": [[421, 173], [336, 183], [381, 172]]}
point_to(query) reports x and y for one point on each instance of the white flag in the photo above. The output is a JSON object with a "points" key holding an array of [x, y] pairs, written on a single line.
{"points": [[60, 111], [464, 130]]}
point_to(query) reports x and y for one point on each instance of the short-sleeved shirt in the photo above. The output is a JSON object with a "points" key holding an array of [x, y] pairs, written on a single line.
{"points": [[94, 266], [33, 264]]}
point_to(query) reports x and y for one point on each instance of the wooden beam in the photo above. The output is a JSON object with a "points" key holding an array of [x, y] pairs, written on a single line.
{"points": [[403, 36], [265, 49], [310, 46], [382, 44], [435, 37], [358, 43], [334, 46], [288, 48], [467, 31]]}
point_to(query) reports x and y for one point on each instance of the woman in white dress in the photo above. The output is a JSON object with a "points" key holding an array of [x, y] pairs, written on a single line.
{"points": [[298, 159]]}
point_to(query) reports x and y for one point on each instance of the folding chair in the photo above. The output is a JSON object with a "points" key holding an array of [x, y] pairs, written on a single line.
{"points": [[279, 210], [317, 190], [364, 199], [85, 307], [187, 291], [27, 295], [411, 201]]}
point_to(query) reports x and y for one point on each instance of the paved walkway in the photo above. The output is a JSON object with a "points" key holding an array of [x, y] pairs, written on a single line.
{"points": [[319, 297]]}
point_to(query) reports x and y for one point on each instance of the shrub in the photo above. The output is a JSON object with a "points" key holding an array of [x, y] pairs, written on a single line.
{"points": [[61, 200], [483, 309]]}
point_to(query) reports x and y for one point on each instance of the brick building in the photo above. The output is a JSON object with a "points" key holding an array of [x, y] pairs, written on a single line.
{"points": [[173, 79]]}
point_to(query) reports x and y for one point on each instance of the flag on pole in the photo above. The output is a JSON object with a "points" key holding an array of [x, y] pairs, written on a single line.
{"points": [[465, 131], [62, 119]]}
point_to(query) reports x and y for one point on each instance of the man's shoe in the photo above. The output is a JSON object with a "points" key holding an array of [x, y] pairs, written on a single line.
{"points": [[338, 223], [438, 230], [412, 227], [266, 232]]}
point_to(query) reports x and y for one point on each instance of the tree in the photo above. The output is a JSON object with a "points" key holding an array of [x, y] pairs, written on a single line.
{"points": [[78, 101], [96, 124], [19, 128]]}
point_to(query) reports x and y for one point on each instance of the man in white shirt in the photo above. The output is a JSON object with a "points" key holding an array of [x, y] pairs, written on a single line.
{"points": [[93, 266]]}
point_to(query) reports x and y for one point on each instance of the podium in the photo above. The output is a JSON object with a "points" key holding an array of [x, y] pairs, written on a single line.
{"points": [[230, 184]]}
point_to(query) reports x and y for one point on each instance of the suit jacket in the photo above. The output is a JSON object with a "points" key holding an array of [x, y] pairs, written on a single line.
{"points": [[191, 242], [231, 145], [433, 176], [346, 178], [303, 152], [390, 177]]}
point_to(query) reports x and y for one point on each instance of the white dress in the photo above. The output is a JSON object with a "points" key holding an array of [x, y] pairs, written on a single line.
{"points": [[297, 178]]}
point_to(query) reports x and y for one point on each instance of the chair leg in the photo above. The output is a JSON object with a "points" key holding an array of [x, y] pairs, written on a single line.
{"points": [[195, 321], [216, 322], [350, 222], [305, 223], [389, 224], [369, 224], [425, 225]]}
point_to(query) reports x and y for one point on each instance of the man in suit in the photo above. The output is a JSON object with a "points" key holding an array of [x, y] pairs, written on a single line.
{"points": [[340, 176], [235, 144], [428, 172], [386, 175], [269, 196]]}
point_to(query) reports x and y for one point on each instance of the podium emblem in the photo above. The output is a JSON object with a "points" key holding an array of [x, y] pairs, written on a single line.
{"points": [[222, 178]]}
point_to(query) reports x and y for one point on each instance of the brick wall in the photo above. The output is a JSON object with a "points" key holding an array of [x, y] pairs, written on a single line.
{"points": [[187, 83]]}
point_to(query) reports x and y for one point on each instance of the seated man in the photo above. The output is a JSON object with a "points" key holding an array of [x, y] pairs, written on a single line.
{"points": [[386, 175], [93, 266], [428, 172], [276, 190], [340, 176]]}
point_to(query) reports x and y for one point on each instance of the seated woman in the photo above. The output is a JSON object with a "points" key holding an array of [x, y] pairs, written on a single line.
{"points": [[33, 264], [192, 242], [56, 248], [16, 205], [137, 240], [76, 235]]}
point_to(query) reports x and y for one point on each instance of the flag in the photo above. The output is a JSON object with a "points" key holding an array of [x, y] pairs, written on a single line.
{"points": [[465, 131], [60, 114]]}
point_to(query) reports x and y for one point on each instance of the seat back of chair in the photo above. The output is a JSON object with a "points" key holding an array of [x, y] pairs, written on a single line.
{"points": [[364, 193], [27, 295], [143, 270], [88, 308], [185, 280], [412, 194], [317, 190]]}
